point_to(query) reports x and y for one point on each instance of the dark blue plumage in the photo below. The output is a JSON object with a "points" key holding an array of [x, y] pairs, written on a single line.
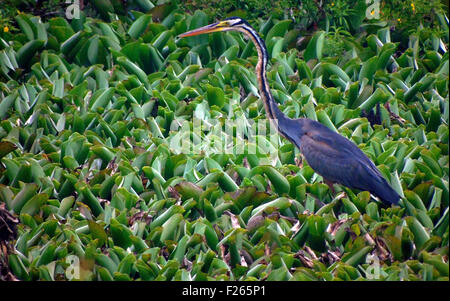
{"points": [[337, 159]]}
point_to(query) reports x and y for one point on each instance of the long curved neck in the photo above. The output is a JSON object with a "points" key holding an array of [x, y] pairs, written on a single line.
{"points": [[272, 110]]}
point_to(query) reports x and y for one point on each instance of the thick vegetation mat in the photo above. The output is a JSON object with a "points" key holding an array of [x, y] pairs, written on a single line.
{"points": [[95, 184]]}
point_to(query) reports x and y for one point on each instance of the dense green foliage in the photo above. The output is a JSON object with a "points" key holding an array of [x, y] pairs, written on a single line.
{"points": [[87, 167]]}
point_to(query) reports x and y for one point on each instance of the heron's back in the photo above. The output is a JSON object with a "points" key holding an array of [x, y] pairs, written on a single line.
{"points": [[339, 160]]}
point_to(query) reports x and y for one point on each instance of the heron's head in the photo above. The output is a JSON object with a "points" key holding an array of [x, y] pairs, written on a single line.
{"points": [[232, 23]]}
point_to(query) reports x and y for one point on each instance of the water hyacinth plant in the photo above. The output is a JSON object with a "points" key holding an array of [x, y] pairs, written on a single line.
{"points": [[127, 153]]}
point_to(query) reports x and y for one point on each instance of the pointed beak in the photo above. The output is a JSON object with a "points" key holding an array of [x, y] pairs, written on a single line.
{"points": [[219, 26]]}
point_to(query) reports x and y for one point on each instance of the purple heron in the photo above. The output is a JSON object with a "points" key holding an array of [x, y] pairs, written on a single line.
{"points": [[334, 157]]}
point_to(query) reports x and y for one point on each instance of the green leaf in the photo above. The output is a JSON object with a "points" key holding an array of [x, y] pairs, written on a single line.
{"points": [[27, 52], [315, 47], [34, 204], [97, 232], [215, 96]]}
